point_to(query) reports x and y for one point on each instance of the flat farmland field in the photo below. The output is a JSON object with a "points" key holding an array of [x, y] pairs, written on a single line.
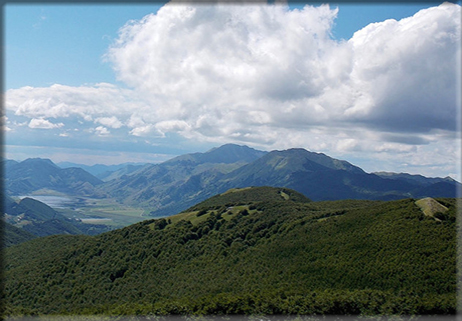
{"points": [[106, 212]]}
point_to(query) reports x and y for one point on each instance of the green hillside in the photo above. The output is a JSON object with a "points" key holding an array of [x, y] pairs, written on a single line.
{"points": [[271, 257], [248, 195], [14, 235], [36, 210]]}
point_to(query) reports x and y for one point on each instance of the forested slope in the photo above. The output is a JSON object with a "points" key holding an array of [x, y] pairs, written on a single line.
{"points": [[272, 257], [12, 235]]}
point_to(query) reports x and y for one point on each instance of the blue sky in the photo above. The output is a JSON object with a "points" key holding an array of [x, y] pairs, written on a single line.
{"points": [[82, 87], [63, 44]]}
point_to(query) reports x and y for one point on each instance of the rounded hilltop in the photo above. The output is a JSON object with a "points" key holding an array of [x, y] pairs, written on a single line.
{"points": [[248, 195]]}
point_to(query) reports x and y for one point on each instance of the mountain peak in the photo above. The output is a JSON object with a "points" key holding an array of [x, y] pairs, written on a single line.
{"points": [[320, 159], [230, 146], [227, 154], [38, 160], [231, 153]]}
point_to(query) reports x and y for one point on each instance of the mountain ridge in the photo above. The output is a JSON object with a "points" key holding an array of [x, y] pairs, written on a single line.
{"points": [[414, 177], [315, 175], [176, 184], [34, 174], [101, 171]]}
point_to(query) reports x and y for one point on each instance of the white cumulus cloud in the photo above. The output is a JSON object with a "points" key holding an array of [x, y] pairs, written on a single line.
{"points": [[251, 65], [43, 124], [102, 131], [86, 102], [407, 70], [112, 122]]}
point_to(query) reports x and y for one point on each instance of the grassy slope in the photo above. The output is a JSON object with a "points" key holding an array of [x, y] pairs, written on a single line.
{"points": [[430, 206], [282, 257]]}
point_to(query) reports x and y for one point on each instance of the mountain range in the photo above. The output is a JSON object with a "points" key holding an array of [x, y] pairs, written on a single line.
{"points": [[174, 185], [103, 172], [183, 181], [35, 174]]}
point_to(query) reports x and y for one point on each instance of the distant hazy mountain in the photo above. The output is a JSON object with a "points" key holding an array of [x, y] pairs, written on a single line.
{"points": [[36, 173], [186, 180], [8, 162], [100, 170], [226, 154], [425, 186], [125, 170], [415, 179]]}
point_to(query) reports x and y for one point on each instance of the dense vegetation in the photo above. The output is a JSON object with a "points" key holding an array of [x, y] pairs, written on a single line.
{"points": [[14, 235], [248, 195], [273, 257]]}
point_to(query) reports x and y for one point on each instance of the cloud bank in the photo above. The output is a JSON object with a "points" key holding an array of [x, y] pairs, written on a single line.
{"points": [[270, 76]]}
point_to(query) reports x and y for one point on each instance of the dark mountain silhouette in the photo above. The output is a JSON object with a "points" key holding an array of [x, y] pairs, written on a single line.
{"points": [[317, 176]]}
